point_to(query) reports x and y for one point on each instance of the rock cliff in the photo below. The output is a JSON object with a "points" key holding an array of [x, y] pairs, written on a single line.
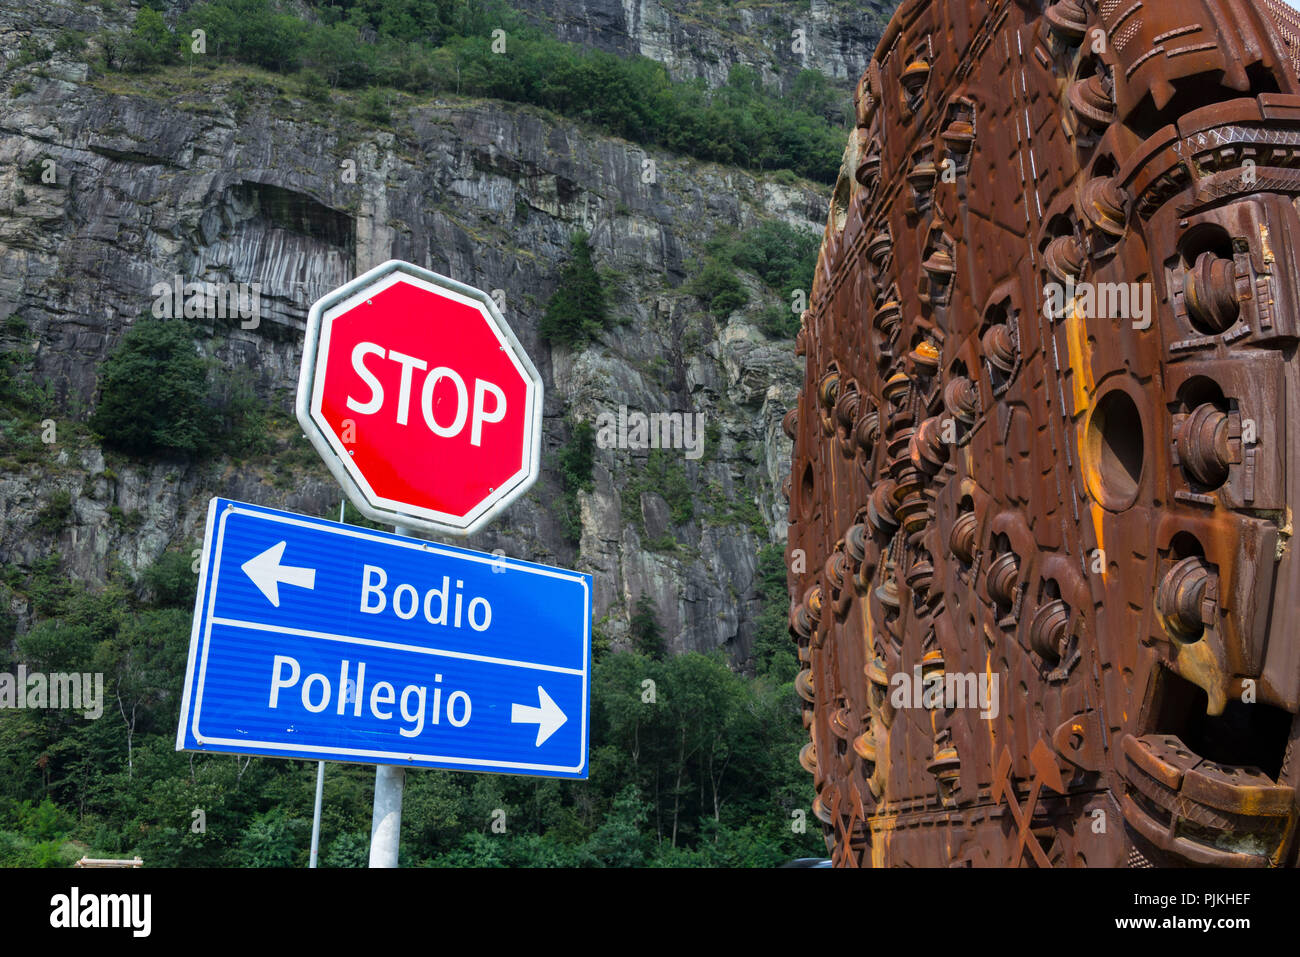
{"points": [[705, 38], [232, 175]]}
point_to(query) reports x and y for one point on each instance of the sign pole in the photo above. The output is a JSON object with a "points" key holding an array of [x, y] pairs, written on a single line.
{"points": [[315, 821], [386, 819], [320, 767], [386, 823]]}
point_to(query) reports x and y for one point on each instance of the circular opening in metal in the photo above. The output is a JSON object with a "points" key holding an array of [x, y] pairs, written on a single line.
{"points": [[1184, 545], [1116, 451], [807, 492], [1201, 389], [1205, 238]]}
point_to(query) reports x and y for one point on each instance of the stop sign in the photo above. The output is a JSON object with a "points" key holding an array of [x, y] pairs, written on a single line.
{"points": [[420, 399]]}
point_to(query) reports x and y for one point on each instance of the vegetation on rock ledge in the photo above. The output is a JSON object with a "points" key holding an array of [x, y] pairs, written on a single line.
{"points": [[486, 49]]}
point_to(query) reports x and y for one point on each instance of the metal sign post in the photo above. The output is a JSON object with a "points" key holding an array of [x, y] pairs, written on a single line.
{"points": [[386, 818], [386, 823], [315, 817]]}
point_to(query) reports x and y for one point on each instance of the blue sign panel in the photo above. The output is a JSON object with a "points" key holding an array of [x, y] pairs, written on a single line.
{"points": [[318, 640]]}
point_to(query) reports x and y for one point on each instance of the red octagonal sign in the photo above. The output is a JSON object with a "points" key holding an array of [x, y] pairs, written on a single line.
{"points": [[420, 399]]}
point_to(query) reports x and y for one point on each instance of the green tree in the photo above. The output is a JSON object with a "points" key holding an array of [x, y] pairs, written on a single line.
{"points": [[143, 654], [374, 106], [779, 322], [576, 460], [69, 41], [154, 393], [773, 651], [43, 821], [314, 87], [39, 831], [578, 456], [619, 840], [647, 634], [272, 840], [149, 43], [337, 53], [253, 31], [719, 288], [56, 513], [782, 256], [171, 581], [348, 850], [577, 311], [666, 474]]}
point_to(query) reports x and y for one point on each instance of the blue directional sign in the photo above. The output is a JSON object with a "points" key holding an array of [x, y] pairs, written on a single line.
{"points": [[313, 639]]}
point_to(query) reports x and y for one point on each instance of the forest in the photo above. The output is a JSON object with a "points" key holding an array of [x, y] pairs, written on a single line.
{"points": [[692, 763]]}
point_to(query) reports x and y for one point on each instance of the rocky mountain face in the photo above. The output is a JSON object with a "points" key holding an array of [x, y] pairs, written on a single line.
{"points": [[233, 176], [705, 38]]}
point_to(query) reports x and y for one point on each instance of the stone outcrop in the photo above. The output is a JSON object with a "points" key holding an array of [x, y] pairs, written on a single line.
{"points": [[704, 40]]}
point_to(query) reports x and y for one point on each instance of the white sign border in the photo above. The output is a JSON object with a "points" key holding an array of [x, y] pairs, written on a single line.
{"points": [[311, 384]]}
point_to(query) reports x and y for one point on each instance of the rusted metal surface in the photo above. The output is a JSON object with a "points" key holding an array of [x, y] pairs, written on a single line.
{"points": [[1087, 504]]}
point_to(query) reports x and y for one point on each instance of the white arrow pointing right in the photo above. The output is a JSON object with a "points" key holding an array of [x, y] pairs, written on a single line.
{"points": [[548, 717]]}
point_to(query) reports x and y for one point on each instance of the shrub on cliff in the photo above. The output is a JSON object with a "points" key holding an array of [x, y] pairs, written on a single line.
{"points": [[170, 582], [780, 255], [646, 632], [785, 258], [154, 393], [718, 288], [773, 653], [149, 44], [576, 461], [159, 396], [577, 311]]}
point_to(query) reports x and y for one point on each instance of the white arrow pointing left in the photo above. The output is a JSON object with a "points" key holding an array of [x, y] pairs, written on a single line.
{"points": [[548, 717], [268, 574]]}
